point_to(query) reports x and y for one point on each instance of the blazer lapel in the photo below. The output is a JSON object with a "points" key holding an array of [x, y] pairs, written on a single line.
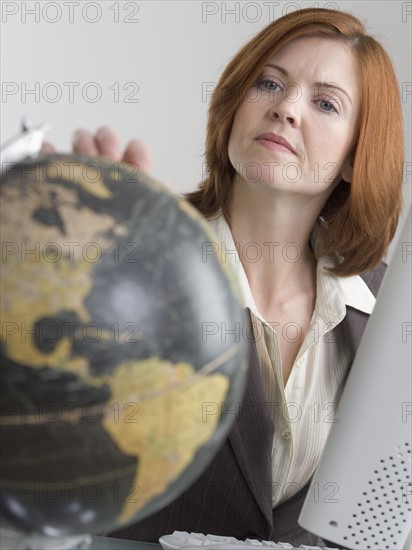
{"points": [[353, 326], [354, 323], [252, 436]]}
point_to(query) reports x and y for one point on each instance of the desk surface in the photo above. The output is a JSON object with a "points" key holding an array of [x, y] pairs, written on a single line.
{"points": [[106, 543]]}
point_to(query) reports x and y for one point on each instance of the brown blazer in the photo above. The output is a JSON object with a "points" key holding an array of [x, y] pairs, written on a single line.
{"points": [[233, 495]]}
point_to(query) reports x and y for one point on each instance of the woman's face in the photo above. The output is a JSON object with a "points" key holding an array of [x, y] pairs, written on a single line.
{"points": [[307, 94]]}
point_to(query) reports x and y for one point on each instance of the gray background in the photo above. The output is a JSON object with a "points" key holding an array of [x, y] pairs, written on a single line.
{"points": [[165, 54]]}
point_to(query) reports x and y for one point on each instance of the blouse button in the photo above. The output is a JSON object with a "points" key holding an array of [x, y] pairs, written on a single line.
{"points": [[285, 433]]}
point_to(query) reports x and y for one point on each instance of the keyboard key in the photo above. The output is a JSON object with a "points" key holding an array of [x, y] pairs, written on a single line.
{"points": [[181, 540]]}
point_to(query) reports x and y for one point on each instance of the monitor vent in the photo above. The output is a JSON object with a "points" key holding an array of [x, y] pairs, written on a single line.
{"points": [[385, 503]]}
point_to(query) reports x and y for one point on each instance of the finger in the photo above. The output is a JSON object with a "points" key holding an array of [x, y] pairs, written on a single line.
{"points": [[84, 144], [138, 154], [47, 148], [108, 143]]}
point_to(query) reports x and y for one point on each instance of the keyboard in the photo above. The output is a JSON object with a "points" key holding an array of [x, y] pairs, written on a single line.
{"points": [[181, 540]]}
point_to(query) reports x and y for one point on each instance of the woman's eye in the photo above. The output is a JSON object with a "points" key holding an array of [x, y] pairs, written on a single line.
{"points": [[269, 85], [327, 106]]}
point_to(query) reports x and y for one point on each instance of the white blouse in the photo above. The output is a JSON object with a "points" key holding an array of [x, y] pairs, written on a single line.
{"points": [[303, 411]]}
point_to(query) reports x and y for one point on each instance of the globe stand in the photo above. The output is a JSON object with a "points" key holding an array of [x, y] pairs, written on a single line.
{"points": [[13, 540]]}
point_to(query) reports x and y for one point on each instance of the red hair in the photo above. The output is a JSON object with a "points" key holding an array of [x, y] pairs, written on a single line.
{"points": [[359, 219]]}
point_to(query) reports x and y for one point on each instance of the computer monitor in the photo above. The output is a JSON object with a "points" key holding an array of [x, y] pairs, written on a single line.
{"points": [[361, 492]]}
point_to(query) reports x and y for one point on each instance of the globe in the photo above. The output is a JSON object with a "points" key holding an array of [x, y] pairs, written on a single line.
{"points": [[120, 344]]}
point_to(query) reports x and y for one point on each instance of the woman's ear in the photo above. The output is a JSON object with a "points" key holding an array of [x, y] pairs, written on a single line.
{"points": [[347, 172]]}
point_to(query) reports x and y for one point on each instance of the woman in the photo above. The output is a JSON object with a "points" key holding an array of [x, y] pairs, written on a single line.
{"points": [[304, 150]]}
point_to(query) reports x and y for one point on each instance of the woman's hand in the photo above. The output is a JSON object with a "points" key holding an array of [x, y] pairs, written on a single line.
{"points": [[105, 143]]}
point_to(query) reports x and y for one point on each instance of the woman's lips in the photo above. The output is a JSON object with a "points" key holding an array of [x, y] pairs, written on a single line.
{"points": [[275, 142], [274, 146]]}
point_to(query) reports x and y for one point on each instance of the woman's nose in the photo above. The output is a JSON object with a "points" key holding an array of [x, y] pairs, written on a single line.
{"points": [[287, 109], [279, 115]]}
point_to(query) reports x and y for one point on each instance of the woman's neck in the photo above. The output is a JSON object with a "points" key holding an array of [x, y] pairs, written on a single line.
{"points": [[271, 233]]}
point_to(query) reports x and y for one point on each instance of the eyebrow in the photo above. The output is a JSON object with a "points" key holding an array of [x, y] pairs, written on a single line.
{"points": [[328, 85]]}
